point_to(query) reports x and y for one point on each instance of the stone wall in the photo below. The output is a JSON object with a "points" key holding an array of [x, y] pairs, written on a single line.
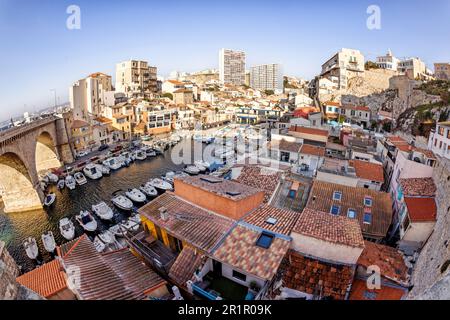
{"points": [[431, 272]]}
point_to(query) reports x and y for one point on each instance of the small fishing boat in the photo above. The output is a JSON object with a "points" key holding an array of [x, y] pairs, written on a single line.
{"points": [[136, 195], [53, 178], [99, 245], [136, 218], [128, 157], [112, 163], [86, 220], [105, 170], [103, 211], [192, 170], [169, 177], [107, 237], [124, 162], [158, 149], [202, 165], [70, 182], [160, 184], [130, 225], [118, 230], [31, 248], [49, 199], [149, 190], [80, 178], [122, 202], [43, 185], [141, 155], [49, 241], [150, 152], [66, 228], [92, 171], [61, 184]]}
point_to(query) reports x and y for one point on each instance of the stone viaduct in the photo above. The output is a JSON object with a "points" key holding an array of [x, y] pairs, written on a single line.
{"points": [[25, 152]]}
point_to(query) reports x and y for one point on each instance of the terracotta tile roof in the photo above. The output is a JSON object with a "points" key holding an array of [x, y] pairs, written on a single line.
{"points": [[47, 280], [175, 82], [332, 103], [134, 273], [421, 209], [76, 124], [200, 228], [389, 260], [285, 145], [330, 228], [285, 219], [357, 108], [185, 265], [397, 139], [428, 153], [360, 291], [367, 170], [307, 130], [102, 120], [96, 278], [261, 178], [221, 186], [182, 91], [422, 187], [239, 250], [316, 277], [321, 199], [312, 150]]}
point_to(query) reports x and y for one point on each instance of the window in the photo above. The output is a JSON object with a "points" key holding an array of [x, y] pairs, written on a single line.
{"points": [[335, 209], [367, 218], [239, 276], [271, 220], [265, 240], [337, 195], [351, 213], [368, 201]]}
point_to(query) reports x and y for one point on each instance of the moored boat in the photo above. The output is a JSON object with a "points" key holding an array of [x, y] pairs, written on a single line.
{"points": [[122, 202], [80, 178], [66, 228], [31, 248], [86, 220], [136, 195], [141, 155], [92, 171], [112, 163], [148, 190], [192, 170], [61, 184], [70, 182], [103, 211], [160, 184], [99, 245], [118, 230], [49, 241], [49, 199]]}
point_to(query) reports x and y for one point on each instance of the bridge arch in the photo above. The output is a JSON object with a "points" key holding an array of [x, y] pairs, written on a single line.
{"points": [[17, 186], [46, 154]]}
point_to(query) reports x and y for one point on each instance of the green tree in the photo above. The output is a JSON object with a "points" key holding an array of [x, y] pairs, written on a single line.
{"points": [[168, 95]]}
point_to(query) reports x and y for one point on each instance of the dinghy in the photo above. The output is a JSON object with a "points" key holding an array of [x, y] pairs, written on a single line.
{"points": [[92, 171], [149, 190], [49, 199], [70, 182], [61, 184], [49, 241], [130, 225], [87, 221], [122, 202], [53, 178], [112, 163], [160, 184], [136, 195], [118, 230], [99, 245], [150, 152], [66, 228], [103, 211], [169, 177], [141, 155], [31, 248], [80, 178], [107, 237], [192, 170]]}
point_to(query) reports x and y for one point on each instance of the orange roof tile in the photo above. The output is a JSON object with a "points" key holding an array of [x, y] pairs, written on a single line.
{"points": [[284, 219], [46, 280], [421, 209], [360, 291], [423, 187], [367, 170], [76, 124], [307, 130], [312, 150]]}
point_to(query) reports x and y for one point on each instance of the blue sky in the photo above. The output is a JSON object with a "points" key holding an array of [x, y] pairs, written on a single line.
{"points": [[38, 52]]}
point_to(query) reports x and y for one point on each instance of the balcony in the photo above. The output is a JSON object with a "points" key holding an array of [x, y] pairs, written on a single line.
{"points": [[214, 287]]}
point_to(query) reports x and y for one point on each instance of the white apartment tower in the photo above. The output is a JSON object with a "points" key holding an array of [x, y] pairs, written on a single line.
{"points": [[232, 67], [266, 77], [136, 78]]}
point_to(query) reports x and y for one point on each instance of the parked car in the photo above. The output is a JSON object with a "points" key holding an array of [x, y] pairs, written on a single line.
{"points": [[82, 153], [103, 147]]}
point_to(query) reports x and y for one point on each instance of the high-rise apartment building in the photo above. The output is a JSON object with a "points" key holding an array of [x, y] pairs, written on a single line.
{"points": [[266, 77], [136, 78], [232, 67]]}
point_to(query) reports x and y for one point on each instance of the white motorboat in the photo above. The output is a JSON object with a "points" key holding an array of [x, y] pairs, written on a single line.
{"points": [[122, 202], [169, 176], [61, 184], [112, 163], [141, 155], [130, 225], [105, 170], [150, 152], [128, 156], [70, 182], [43, 185], [124, 162], [53, 178], [92, 171], [87, 221], [160, 184], [49, 199], [193, 170], [136, 195], [202, 165], [99, 245], [49, 241], [224, 152], [66, 228], [136, 218], [80, 178], [118, 230], [31, 248], [149, 190], [103, 211], [107, 237]]}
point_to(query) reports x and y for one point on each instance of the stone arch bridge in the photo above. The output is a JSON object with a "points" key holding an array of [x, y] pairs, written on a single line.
{"points": [[25, 152]]}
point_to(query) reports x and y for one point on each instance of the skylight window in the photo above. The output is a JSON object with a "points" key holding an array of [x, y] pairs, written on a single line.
{"points": [[210, 179], [233, 193], [265, 240], [367, 218], [337, 195], [351, 213], [271, 220], [368, 201], [335, 210]]}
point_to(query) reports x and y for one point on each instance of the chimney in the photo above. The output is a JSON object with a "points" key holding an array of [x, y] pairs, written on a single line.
{"points": [[164, 215]]}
